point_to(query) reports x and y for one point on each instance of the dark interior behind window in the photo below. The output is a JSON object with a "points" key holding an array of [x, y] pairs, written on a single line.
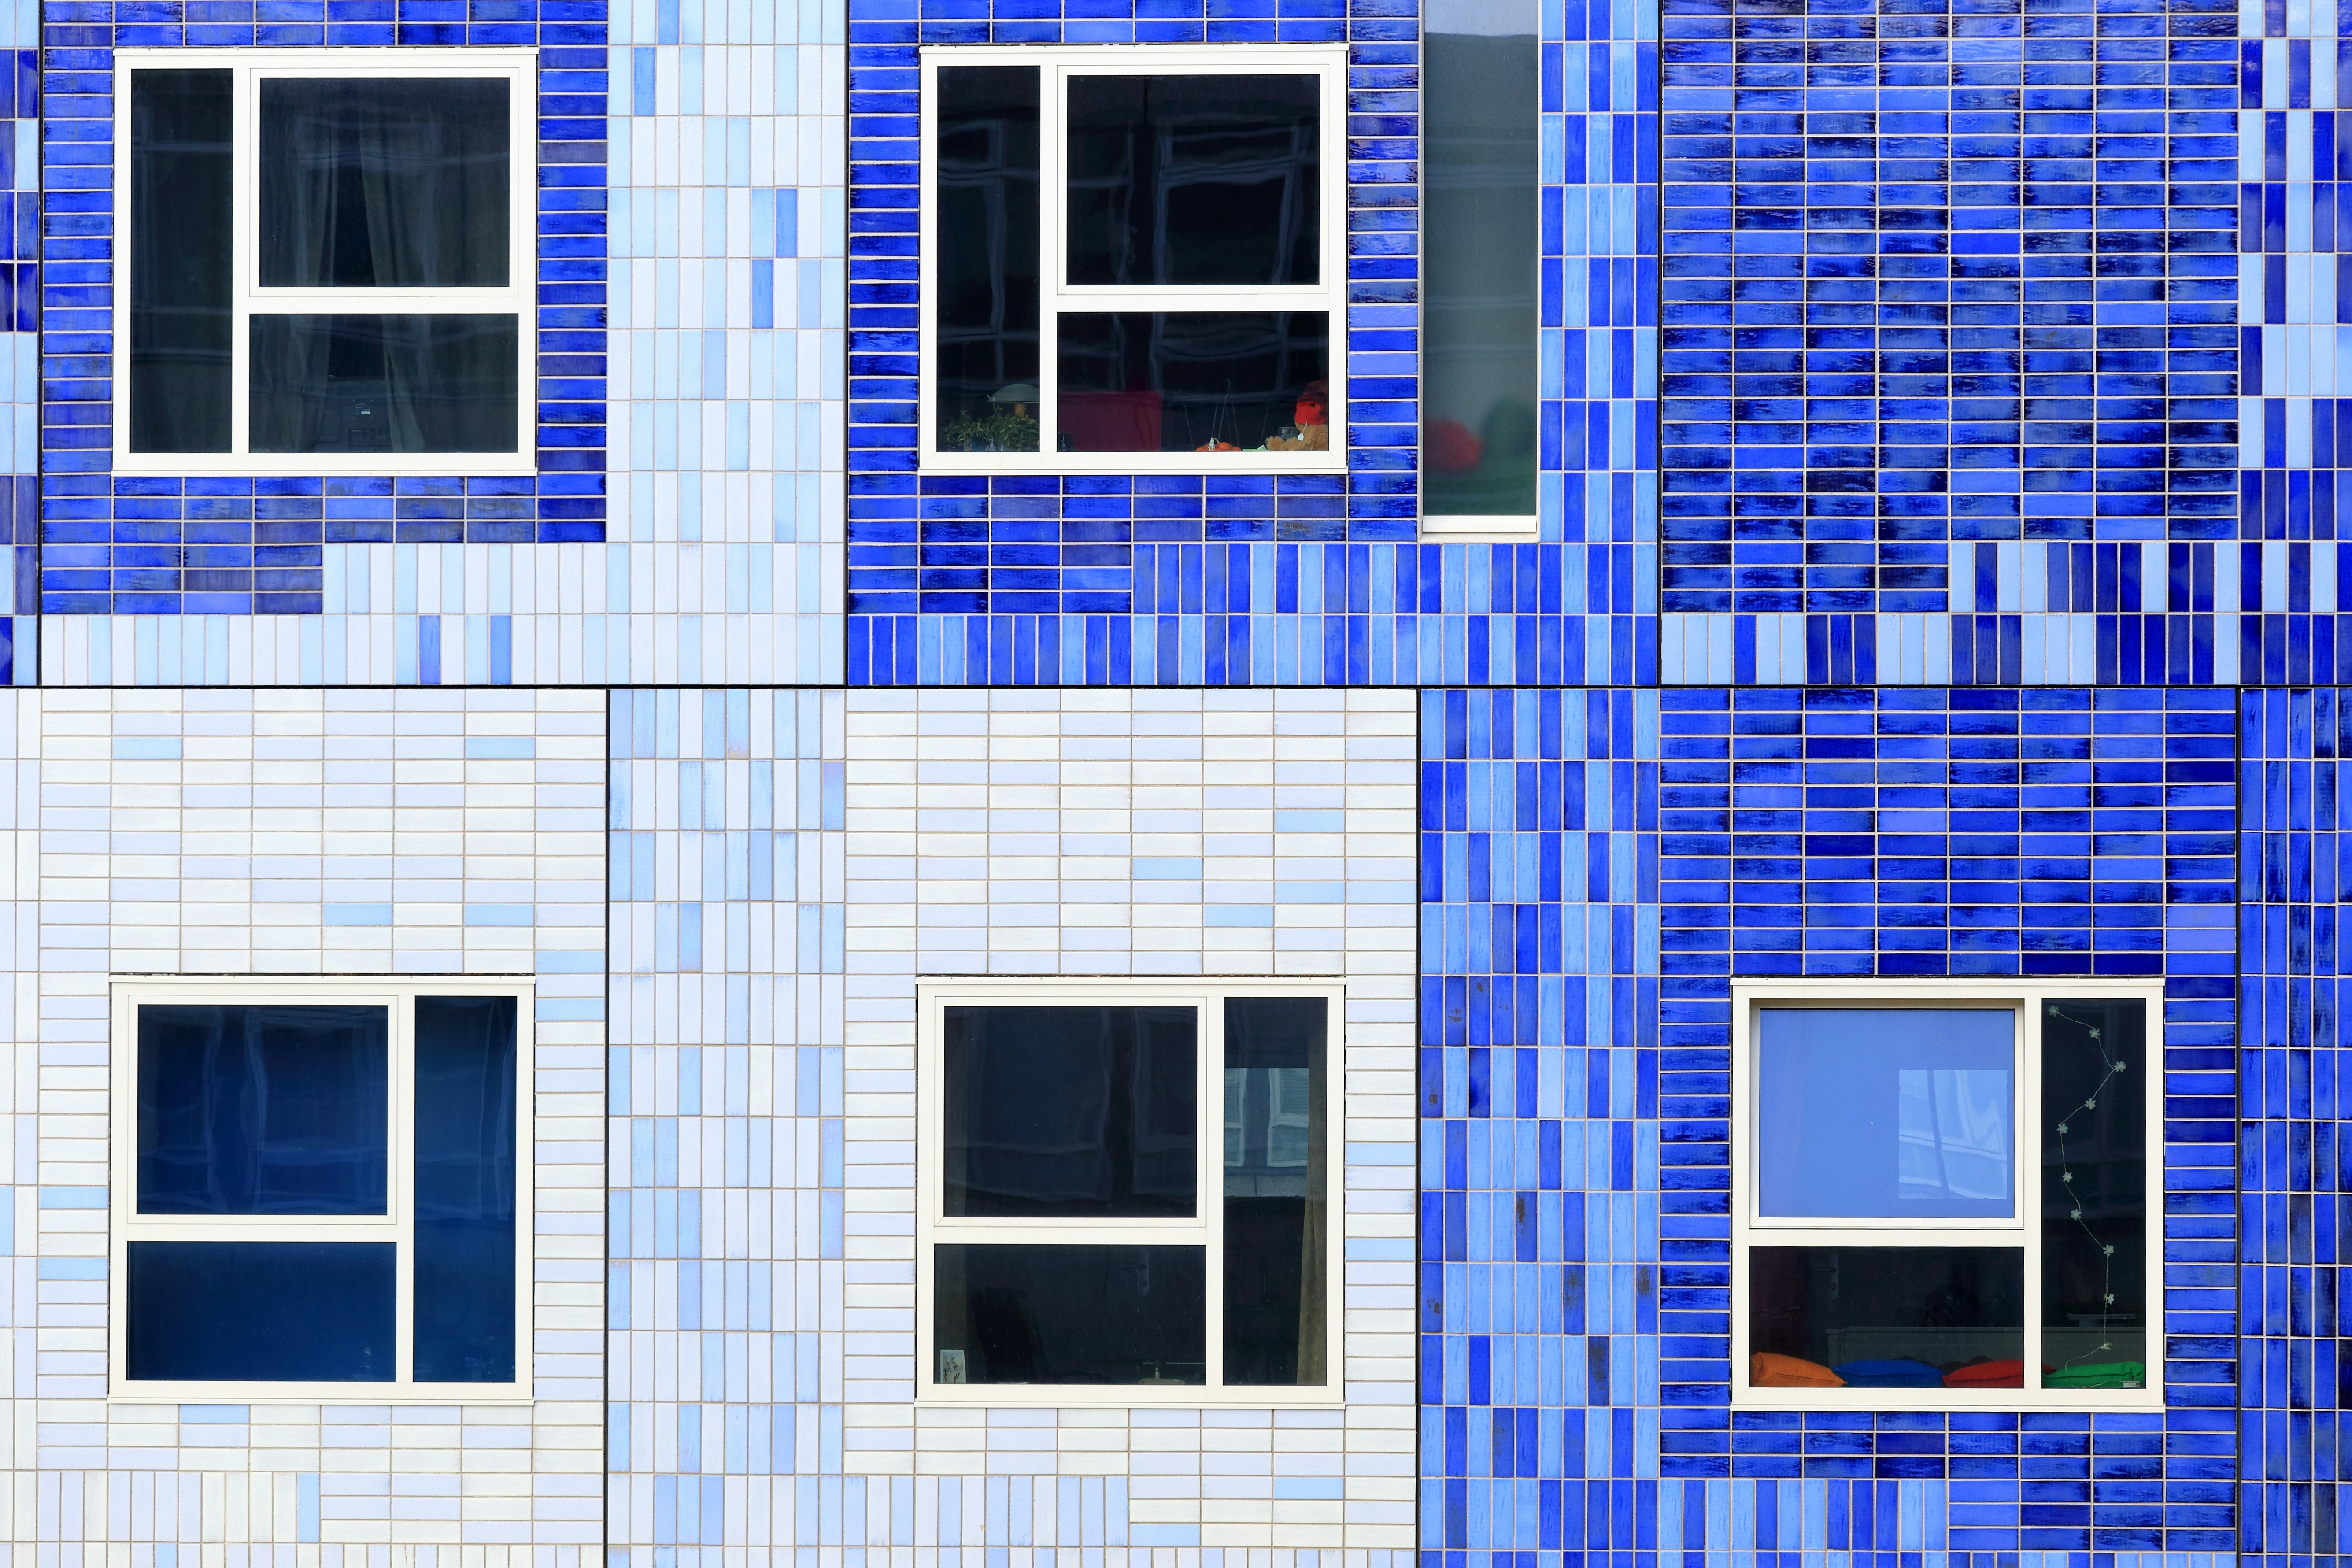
{"points": [[2095, 1308], [1276, 1213], [384, 181], [1070, 1314], [181, 306], [1187, 380], [385, 384], [1071, 1112], [1193, 180], [985, 355]]}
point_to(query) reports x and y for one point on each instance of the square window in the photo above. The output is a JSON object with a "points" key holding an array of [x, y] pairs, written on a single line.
{"points": [[1942, 1198], [329, 260], [1085, 1227], [319, 1184], [1132, 260]]}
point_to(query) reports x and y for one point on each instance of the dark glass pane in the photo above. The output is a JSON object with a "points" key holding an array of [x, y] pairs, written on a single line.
{"points": [[1886, 1112], [180, 311], [1206, 179], [1892, 1316], [1070, 1314], [1187, 380], [387, 182], [1479, 121], [269, 1311], [1071, 1112], [465, 1261], [986, 262], [383, 383], [276, 1110], [1277, 1221], [2095, 1306]]}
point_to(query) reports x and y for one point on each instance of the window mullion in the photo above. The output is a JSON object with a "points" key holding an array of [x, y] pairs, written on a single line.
{"points": [[2029, 1185]]}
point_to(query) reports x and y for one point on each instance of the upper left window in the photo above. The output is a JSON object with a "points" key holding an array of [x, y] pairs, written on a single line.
{"points": [[329, 260]]}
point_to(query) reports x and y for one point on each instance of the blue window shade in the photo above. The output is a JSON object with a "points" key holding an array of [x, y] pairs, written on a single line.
{"points": [[464, 1257], [276, 1110], [263, 1312], [1887, 1113]]}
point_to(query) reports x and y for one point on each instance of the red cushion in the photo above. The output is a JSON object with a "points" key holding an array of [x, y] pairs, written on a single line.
{"points": [[1988, 1375]]}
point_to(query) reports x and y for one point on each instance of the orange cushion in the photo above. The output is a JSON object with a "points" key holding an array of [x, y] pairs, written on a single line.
{"points": [[1988, 1375], [1766, 1370]]}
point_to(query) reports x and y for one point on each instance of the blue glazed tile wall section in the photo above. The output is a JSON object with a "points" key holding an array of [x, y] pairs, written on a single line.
{"points": [[2291, 887], [1596, 867], [1951, 356], [151, 545], [1217, 580]]}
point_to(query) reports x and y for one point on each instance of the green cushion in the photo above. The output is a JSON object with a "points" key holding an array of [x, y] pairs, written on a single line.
{"points": [[2099, 1374]]}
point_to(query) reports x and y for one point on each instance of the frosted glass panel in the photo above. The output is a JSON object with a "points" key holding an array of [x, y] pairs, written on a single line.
{"points": [[1887, 1113]]}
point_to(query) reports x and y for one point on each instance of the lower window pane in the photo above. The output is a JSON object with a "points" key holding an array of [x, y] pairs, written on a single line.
{"points": [[1169, 380], [385, 384], [1887, 1317], [1070, 1314], [261, 1312]]}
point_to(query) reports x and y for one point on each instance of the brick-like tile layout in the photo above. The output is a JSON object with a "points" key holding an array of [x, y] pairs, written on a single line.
{"points": [[1242, 832], [298, 833]]}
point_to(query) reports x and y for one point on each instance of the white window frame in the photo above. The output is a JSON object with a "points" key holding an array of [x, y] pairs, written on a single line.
{"points": [[1205, 1228], [519, 67], [396, 1225], [1057, 64], [1749, 1228]]}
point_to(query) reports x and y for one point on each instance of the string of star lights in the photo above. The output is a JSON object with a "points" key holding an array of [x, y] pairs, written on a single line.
{"points": [[2066, 1175]]}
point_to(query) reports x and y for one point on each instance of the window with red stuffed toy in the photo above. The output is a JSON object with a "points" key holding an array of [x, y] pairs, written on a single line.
{"points": [[1943, 1198], [1130, 258]]}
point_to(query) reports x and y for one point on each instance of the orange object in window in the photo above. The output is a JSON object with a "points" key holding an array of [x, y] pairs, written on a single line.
{"points": [[1314, 405]]}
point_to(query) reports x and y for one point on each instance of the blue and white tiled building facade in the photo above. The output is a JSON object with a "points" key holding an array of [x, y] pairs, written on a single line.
{"points": [[1937, 573]]}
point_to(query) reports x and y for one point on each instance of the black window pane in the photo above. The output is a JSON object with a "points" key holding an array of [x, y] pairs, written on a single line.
{"points": [[986, 260], [181, 311], [1276, 1218], [383, 383], [1892, 1317], [384, 181], [1479, 121], [1182, 180], [1071, 1112], [465, 1261], [273, 1311], [1170, 380], [263, 1109], [2095, 1306], [1070, 1314]]}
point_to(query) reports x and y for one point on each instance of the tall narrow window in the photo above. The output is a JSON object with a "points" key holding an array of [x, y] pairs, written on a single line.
{"points": [[369, 315], [1480, 119], [986, 356], [181, 314], [1126, 1190]]}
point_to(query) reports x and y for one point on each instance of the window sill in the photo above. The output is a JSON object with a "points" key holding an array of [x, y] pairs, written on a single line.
{"points": [[2024, 1399], [1482, 529], [326, 465], [964, 465], [1099, 1396], [341, 1394]]}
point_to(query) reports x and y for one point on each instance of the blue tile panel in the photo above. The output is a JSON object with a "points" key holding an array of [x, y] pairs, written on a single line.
{"points": [[2291, 1104], [725, 1208], [144, 545], [1908, 317], [1596, 865], [1220, 579], [1539, 1136]]}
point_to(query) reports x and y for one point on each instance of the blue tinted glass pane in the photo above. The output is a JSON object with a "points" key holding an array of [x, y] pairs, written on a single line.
{"points": [[273, 1311], [465, 1258], [276, 1110], [1890, 1113]]}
